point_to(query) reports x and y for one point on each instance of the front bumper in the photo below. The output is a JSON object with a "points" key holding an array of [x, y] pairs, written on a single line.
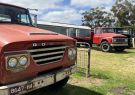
{"points": [[36, 83], [121, 45]]}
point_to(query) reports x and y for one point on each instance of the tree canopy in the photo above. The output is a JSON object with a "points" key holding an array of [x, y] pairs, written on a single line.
{"points": [[121, 14], [124, 11], [97, 17]]}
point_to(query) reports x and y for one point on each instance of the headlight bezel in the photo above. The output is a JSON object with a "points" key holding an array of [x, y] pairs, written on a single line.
{"points": [[18, 67], [114, 40], [11, 58], [73, 54], [126, 39], [24, 56]]}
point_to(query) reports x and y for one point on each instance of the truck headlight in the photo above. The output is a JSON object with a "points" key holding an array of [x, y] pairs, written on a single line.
{"points": [[17, 63], [72, 53], [12, 62], [114, 40], [23, 60], [126, 40]]}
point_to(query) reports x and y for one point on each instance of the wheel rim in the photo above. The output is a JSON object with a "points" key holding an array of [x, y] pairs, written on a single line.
{"points": [[105, 47]]}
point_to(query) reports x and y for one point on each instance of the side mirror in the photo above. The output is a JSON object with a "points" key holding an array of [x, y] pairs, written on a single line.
{"points": [[34, 19]]}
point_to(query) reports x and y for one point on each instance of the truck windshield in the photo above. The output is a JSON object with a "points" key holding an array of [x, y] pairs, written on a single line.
{"points": [[108, 30], [119, 30], [16, 15], [114, 30]]}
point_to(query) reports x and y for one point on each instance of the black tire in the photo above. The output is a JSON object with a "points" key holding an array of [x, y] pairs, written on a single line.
{"points": [[105, 46], [90, 44], [59, 84], [119, 49]]}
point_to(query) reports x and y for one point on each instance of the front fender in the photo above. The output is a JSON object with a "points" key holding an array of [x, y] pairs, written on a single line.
{"points": [[108, 39]]}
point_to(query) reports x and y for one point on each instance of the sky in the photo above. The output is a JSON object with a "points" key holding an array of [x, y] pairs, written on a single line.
{"points": [[63, 11]]}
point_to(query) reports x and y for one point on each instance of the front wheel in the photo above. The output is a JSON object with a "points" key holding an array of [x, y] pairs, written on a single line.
{"points": [[119, 49], [105, 46]]}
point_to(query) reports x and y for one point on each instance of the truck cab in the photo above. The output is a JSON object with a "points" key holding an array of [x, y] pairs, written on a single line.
{"points": [[31, 58], [107, 39]]}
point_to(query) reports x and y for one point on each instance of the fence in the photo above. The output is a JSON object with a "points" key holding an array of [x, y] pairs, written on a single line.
{"points": [[83, 57]]}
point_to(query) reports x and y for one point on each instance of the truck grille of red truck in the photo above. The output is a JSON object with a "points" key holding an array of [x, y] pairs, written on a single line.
{"points": [[47, 54], [120, 40]]}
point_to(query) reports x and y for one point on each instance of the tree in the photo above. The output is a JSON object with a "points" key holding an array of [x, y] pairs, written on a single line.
{"points": [[97, 17], [124, 11]]}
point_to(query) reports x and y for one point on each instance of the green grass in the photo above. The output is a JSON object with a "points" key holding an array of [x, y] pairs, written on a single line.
{"points": [[111, 74]]}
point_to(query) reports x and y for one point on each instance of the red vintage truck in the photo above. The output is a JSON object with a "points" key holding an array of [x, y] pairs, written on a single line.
{"points": [[31, 58], [108, 39], [105, 38]]}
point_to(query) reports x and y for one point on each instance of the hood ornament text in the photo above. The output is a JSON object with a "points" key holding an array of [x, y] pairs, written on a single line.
{"points": [[38, 44]]}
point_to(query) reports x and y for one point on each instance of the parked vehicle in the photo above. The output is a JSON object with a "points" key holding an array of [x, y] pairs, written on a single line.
{"points": [[31, 58], [80, 33], [107, 39]]}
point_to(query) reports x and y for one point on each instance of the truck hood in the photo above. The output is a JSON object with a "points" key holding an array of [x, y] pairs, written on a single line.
{"points": [[111, 35], [14, 33]]}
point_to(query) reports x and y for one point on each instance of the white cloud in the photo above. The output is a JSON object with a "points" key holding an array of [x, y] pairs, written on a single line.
{"points": [[64, 14], [68, 15], [91, 3], [41, 5], [38, 4]]}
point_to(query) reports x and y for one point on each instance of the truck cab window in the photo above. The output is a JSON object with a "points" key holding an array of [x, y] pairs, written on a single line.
{"points": [[72, 32], [14, 15], [5, 18], [97, 31], [119, 30], [23, 18], [108, 30], [84, 33]]}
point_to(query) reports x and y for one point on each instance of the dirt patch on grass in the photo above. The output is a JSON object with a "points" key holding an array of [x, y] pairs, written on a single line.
{"points": [[86, 81], [131, 59], [132, 92], [119, 90]]}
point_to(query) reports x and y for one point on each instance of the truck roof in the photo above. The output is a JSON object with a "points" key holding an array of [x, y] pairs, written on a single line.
{"points": [[62, 25], [11, 5], [111, 27]]}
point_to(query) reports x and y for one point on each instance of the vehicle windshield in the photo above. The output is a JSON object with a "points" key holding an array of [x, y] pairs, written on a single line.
{"points": [[113, 30], [119, 30], [16, 15], [108, 30]]}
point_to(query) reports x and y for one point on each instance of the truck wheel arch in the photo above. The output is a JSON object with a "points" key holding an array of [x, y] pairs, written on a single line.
{"points": [[104, 41], [105, 46]]}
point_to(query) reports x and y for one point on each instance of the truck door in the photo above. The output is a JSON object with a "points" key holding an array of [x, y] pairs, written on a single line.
{"points": [[97, 36]]}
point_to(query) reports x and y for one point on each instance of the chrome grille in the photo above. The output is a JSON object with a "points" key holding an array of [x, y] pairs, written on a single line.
{"points": [[47, 54], [120, 40]]}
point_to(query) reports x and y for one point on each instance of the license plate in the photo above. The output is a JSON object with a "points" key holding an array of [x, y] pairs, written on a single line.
{"points": [[62, 75], [20, 89]]}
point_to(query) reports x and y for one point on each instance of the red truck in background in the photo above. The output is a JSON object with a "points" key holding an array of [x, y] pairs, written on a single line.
{"points": [[108, 39], [31, 58]]}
